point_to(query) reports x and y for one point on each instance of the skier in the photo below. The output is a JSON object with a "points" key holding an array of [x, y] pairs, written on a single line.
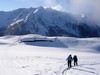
{"points": [[75, 60], [69, 60]]}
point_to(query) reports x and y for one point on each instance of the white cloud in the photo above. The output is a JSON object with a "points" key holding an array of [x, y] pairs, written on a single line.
{"points": [[91, 7], [49, 3], [58, 7]]}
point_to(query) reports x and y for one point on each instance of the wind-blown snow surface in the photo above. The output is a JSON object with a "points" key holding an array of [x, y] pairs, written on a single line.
{"points": [[48, 58]]}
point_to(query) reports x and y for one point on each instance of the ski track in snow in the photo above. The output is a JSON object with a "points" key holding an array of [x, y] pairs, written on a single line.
{"points": [[19, 65], [26, 65]]}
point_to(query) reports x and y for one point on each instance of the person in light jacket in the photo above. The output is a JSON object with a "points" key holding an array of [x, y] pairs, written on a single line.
{"points": [[69, 60]]}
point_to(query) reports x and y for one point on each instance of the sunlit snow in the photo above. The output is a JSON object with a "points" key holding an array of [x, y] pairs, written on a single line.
{"points": [[48, 58]]}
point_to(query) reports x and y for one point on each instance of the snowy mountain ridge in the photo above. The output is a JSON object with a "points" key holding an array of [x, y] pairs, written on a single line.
{"points": [[44, 21]]}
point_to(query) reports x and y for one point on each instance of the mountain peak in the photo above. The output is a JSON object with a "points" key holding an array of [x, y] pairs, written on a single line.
{"points": [[40, 7], [44, 21]]}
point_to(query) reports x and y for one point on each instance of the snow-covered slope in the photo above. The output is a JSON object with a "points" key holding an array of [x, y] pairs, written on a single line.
{"points": [[47, 58], [7, 18], [81, 44], [45, 21]]}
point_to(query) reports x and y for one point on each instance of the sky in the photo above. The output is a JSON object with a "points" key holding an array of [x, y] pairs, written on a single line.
{"points": [[8, 5], [66, 5], [91, 7]]}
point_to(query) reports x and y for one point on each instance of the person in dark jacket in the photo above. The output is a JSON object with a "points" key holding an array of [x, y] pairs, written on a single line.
{"points": [[69, 60], [75, 60]]}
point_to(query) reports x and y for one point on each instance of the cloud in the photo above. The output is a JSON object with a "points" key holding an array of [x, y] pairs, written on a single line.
{"points": [[50, 3], [57, 7], [90, 7]]}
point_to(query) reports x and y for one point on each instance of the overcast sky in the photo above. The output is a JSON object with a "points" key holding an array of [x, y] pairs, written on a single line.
{"points": [[91, 7]]}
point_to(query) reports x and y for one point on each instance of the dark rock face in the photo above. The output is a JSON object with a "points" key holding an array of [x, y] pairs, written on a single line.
{"points": [[47, 22]]}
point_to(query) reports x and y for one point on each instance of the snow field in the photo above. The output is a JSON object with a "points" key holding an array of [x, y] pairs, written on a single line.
{"points": [[25, 59]]}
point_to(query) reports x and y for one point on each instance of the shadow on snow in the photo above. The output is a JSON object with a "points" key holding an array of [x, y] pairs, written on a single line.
{"points": [[55, 43]]}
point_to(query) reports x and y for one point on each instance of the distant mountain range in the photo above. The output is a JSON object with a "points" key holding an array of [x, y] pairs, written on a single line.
{"points": [[46, 21]]}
